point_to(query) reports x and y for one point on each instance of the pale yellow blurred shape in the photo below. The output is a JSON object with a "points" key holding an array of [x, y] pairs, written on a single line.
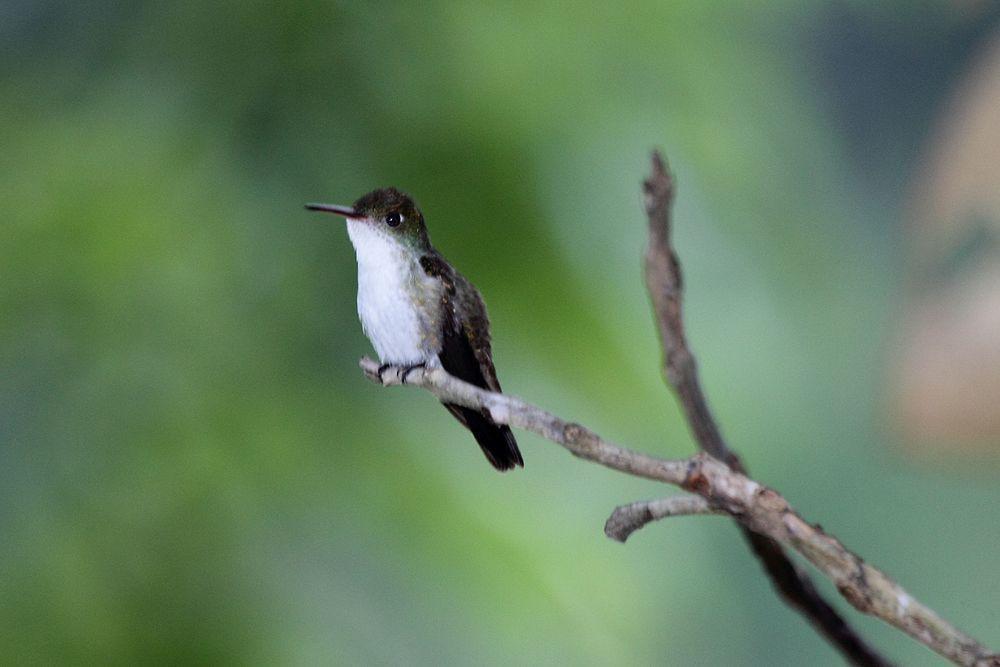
{"points": [[945, 384]]}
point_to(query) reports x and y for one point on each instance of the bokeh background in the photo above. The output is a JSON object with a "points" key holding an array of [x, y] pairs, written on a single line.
{"points": [[193, 469]]}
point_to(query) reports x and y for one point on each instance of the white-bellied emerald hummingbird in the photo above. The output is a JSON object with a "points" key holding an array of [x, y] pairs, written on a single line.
{"points": [[417, 310]]}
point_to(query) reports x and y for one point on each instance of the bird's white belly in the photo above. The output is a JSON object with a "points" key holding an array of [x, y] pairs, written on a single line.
{"points": [[390, 319], [390, 288]]}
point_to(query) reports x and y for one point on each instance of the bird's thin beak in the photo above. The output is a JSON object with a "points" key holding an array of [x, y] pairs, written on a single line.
{"points": [[345, 211]]}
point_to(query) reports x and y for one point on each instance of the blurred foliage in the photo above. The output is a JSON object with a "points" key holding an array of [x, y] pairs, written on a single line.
{"points": [[193, 468]]}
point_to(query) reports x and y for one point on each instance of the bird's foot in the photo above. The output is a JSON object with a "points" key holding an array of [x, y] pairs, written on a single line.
{"points": [[382, 369], [399, 372], [409, 369]]}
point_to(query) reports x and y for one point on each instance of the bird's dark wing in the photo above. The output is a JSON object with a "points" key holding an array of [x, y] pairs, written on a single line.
{"points": [[466, 354]]}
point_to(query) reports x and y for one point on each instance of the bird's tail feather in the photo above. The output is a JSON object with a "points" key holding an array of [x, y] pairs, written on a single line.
{"points": [[496, 440]]}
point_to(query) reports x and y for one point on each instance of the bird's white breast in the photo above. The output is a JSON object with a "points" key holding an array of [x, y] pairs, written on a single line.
{"points": [[391, 283]]}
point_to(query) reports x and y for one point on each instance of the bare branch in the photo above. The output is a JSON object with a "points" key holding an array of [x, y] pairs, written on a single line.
{"points": [[626, 519], [664, 283], [759, 508], [512, 411]]}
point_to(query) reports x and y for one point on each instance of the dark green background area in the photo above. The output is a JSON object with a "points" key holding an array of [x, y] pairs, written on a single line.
{"points": [[192, 467]]}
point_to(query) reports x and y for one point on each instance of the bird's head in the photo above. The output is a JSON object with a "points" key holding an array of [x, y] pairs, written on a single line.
{"points": [[387, 212]]}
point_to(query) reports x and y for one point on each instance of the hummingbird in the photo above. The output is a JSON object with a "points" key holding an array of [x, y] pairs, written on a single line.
{"points": [[419, 311]]}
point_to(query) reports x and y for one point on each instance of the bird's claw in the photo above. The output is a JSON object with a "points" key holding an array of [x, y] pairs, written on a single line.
{"points": [[409, 369], [402, 372]]}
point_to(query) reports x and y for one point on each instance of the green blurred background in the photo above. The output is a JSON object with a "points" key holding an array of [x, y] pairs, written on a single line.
{"points": [[192, 467]]}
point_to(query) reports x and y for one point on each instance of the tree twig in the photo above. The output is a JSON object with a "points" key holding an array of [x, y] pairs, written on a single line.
{"points": [[626, 519], [761, 509], [664, 283]]}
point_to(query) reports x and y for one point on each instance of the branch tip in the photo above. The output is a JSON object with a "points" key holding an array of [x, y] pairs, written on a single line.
{"points": [[626, 519]]}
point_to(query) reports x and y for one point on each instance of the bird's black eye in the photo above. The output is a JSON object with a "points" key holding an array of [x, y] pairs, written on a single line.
{"points": [[393, 219]]}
